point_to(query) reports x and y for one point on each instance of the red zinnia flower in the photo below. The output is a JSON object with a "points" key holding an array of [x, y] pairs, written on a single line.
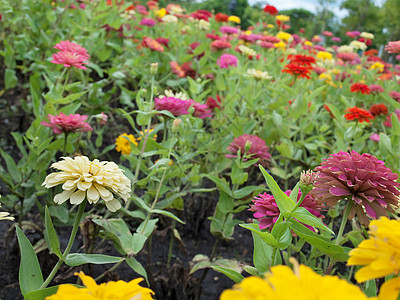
{"points": [[62, 123], [214, 103], [356, 113], [297, 70], [302, 59], [220, 44], [360, 88], [258, 148], [378, 109], [270, 10], [220, 17]]}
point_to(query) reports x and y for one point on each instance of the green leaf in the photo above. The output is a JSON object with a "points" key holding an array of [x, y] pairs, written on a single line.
{"points": [[246, 191], [235, 276], [303, 215], [11, 166], [30, 275], [41, 294], [168, 214], [77, 259], [51, 235], [142, 234], [285, 204], [314, 239], [10, 78], [370, 288], [137, 267], [266, 236], [262, 254], [221, 184], [70, 98]]}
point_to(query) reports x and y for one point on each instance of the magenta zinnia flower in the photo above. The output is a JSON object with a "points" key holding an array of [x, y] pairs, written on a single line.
{"points": [[67, 123], [229, 29], [72, 47], [175, 106], [227, 60], [200, 110], [362, 179], [258, 149], [267, 211]]}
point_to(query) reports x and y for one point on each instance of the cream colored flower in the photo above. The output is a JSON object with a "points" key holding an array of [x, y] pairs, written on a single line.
{"points": [[169, 19], [358, 45], [367, 35], [258, 75], [203, 25], [82, 178], [345, 48], [5, 216], [169, 93], [247, 51]]}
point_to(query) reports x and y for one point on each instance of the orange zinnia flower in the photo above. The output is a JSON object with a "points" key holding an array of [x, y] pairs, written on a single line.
{"points": [[360, 88], [297, 70], [356, 113]]}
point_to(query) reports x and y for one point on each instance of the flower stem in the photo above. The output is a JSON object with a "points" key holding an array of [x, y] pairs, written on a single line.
{"points": [[69, 246], [171, 244], [344, 221], [65, 143]]}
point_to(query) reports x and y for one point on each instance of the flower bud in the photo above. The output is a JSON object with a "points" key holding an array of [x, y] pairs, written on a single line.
{"points": [[175, 125], [153, 68], [247, 146], [102, 118], [307, 180]]}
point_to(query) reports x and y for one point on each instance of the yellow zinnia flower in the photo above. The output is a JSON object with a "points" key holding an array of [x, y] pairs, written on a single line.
{"points": [[161, 12], [123, 145], [284, 36], [82, 178], [283, 18], [280, 45], [234, 19], [112, 290], [301, 284], [380, 254], [377, 66], [308, 43], [324, 55]]}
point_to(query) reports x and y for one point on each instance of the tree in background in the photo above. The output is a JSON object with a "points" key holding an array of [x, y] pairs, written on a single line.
{"points": [[300, 18]]}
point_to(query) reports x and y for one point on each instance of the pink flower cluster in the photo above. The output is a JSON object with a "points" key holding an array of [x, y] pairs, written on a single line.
{"points": [[180, 107], [257, 148], [68, 123], [70, 54]]}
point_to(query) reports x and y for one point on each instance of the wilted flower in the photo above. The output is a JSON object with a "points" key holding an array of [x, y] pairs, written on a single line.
{"points": [[267, 211], [82, 178], [175, 106], [120, 290], [122, 143], [380, 254], [302, 283], [67, 123], [308, 177], [227, 60], [356, 113], [362, 179], [257, 149], [393, 47]]}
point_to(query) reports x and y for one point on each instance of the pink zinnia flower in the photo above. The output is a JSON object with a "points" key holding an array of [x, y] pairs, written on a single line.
{"points": [[200, 110], [72, 47], [229, 30], [374, 137], [347, 56], [148, 22], [219, 45], [70, 54], [67, 123], [393, 47], [395, 95], [175, 106], [266, 45], [257, 149], [327, 33], [267, 211], [360, 178], [376, 88], [388, 122], [227, 60]]}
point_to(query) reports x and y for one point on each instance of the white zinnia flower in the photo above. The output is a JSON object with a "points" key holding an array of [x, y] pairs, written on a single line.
{"points": [[367, 35], [5, 216], [203, 25], [345, 48], [247, 51], [258, 75], [82, 178], [358, 45], [169, 93], [170, 19]]}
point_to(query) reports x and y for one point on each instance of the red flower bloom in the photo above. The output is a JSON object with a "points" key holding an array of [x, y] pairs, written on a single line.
{"points": [[220, 44], [152, 44], [270, 10], [327, 108], [257, 149], [302, 59], [220, 17], [378, 109], [356, 113], [297, 70], [360, 88], [214, 103], [62, 123]]}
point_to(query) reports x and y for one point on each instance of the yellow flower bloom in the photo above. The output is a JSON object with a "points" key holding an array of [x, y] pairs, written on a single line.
{"points": [[283, 18], [161, 12], [301, 284], [326, 77], [377, 66], [234, 19], [284, 36], [367, 35], [380, 254], [358, 45], [280, 45], [308, 43], [82, 178], [122, 143], [270, 26], [112, 290], [324, 55]]}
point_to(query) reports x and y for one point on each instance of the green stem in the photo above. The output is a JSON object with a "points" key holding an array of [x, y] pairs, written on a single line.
{"points": [[109, 270], [171, 244], [65, 143], [303, 195], [69, 246], [344, 221]]}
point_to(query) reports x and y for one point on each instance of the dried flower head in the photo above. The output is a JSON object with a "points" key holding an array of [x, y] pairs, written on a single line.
{"points": [[360, 178], [67, 123], [82, 178], [257, 149]]}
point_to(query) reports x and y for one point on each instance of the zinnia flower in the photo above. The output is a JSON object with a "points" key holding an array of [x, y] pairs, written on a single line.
{"points": [[229, 30], [360, 88], [267, 211], [303, 283], [395, 95], [257, 148], [378, 109], [70, 54], [200, 110], [302, 59], [220, 45], [123, 145], [120, 290], [257, 74], [376, 89], [175, 106], [297, 70], [82, 178], [5, 216], [270, 10], [356, 113], [220, 17], [380, 254], [227, 60], [214, 102], [148, 22], [393, 47], [67, 123], [362, 179]]}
